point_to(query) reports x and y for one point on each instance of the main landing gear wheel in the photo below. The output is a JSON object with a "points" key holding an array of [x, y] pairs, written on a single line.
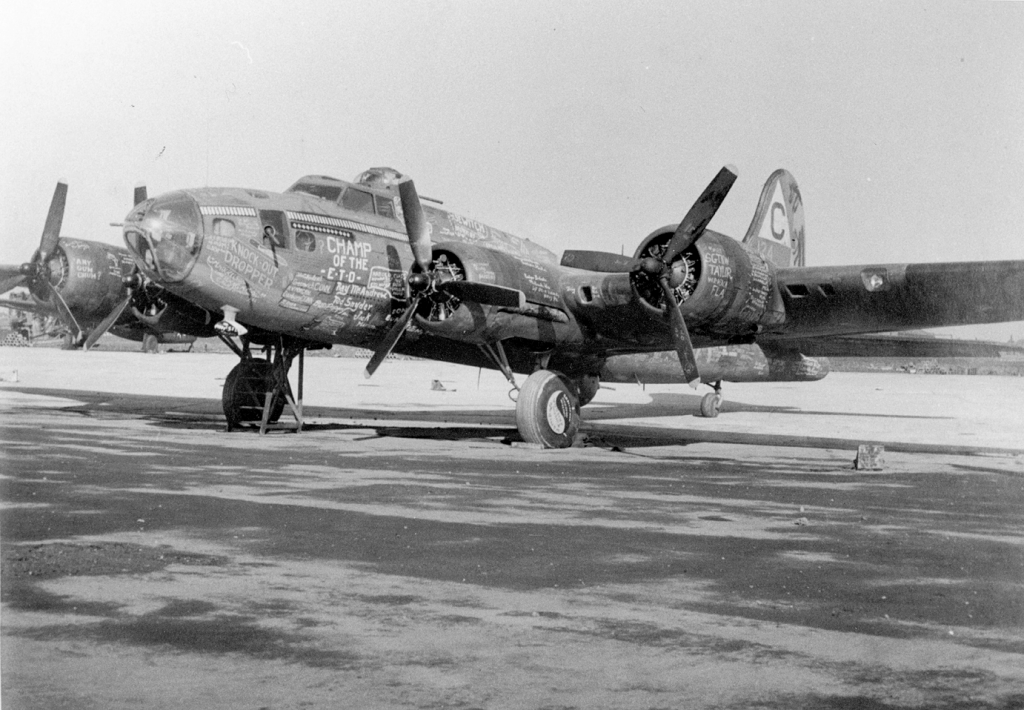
{"points": [[548, 410], [710, 404], [587, 387], [245, 390]]}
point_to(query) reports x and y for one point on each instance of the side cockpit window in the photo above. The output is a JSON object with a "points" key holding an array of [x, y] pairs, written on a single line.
{"points": [[357, 200], [385, 206]]}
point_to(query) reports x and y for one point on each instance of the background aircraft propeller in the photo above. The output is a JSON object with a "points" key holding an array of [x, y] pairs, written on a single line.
{"points": [[10, 277], [36, 274], [132, 282], [423, 282]]}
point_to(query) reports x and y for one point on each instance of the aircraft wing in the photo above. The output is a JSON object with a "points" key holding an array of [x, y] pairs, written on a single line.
{"points": [[10, 277], [27, 306], [844, 300], [919, 345]]}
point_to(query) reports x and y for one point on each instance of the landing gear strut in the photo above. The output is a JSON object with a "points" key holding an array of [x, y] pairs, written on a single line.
{"points": [[711, 402], [257, 389]]}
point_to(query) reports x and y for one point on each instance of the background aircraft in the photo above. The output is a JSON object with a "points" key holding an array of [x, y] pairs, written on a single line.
{"points": [[91, 287], [366, 264]]}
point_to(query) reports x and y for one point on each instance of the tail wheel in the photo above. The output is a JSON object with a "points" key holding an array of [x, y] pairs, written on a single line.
{"points": [[548, 410], [710, 404], [245, 390]]}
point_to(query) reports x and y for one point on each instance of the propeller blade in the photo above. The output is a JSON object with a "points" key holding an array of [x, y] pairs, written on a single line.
{"points": [[680, 335], [54, 218], [416, 225], [391, 339], [104, 326], [141, 195], [63, 312], [11, 276], [603, 262], [485, 294], [696, 220]]}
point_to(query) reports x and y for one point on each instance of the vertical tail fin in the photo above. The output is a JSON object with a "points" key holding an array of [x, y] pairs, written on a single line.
{"points": [[777, 230]]}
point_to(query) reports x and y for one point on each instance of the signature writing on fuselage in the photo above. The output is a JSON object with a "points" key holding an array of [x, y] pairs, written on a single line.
{"points": [[250, 264], [718, 271]]}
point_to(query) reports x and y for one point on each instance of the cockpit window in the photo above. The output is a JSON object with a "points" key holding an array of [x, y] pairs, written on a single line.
{"points": [[357, 200], [385, 206], [324, 192]]}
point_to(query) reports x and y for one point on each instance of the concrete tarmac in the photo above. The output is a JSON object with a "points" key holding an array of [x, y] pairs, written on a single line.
{"points": [[400, 553]]}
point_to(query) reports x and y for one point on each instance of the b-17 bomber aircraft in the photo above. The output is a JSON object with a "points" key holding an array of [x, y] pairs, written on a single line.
{"points": [[367, 263], [93, 287]]}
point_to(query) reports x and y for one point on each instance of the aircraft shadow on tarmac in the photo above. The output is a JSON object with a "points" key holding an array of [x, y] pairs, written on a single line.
{"points": [[601, 422]]}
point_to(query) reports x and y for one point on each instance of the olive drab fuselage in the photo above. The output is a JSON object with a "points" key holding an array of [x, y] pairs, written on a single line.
{"points": [[328, 262], [332, 268]]}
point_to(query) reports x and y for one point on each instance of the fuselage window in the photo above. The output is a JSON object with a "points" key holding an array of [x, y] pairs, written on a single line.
{"points": [[385, 206], [357, 200], [223, 227], [274, 234], [305, 241]]}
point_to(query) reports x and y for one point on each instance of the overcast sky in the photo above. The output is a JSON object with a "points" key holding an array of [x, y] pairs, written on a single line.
{"points": [[576, 124]]}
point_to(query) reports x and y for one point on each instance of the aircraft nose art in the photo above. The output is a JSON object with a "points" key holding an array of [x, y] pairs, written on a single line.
{"points": [[165, 236]]}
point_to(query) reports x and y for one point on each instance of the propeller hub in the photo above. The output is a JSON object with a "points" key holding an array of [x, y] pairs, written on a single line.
{"points": [[419, 282], [678, 273], [653, 266]]}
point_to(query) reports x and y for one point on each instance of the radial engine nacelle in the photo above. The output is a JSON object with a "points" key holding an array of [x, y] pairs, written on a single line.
{"points": [[722, 288]]}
